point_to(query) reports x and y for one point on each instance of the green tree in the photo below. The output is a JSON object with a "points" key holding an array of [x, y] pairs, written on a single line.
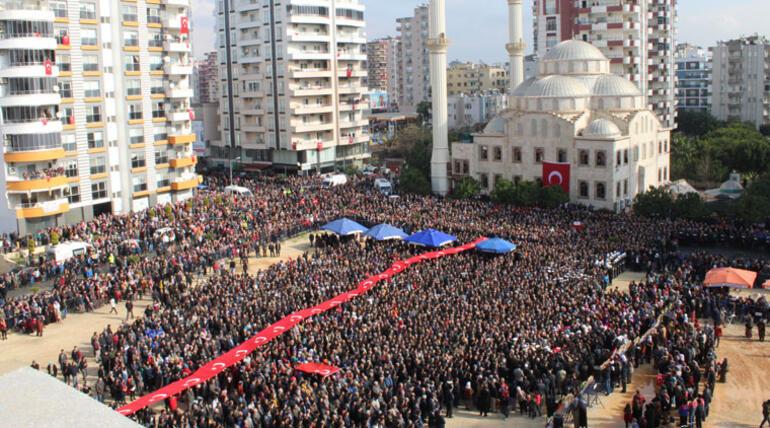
{"points": [[553, 196], [424, 111], [753, 208], [740, 147], [695, 123], [504, 192], [413, 180], [765, 130], [415, 145], [467, 188], [689, 206], [527, 193], [656, 202]]}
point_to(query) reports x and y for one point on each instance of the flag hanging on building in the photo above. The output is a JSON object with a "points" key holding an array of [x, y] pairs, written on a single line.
{"points": [[556, 174]]}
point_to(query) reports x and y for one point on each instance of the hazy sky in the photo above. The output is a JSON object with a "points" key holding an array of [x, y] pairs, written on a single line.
{"points": [[479, 33]]}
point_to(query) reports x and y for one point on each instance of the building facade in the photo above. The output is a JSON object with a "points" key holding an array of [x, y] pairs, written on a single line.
{"points": [[95, 99], [473, 109], [693, 78], [414, 64], [291, 78], [382, 67], [576, 114], [637, 36], [471, 78], [207, 88], [741, 80]]}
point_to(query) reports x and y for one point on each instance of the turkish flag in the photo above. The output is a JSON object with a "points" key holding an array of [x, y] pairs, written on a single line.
{"points": [[65, 40], [350, 71], [185, 24], [48, 67], [319, 146], [317, 368], [191, 112], [556, 174]]}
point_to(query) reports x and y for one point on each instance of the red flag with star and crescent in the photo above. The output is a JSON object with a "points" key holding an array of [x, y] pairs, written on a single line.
{"points": [[556, 174]]}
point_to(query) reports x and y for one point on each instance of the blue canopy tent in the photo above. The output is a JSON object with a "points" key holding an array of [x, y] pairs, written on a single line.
{"points": [[431, 238], [495, 246], [384, 232], [344, 227]]}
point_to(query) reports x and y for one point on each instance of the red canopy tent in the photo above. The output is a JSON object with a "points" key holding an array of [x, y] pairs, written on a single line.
{"points": [[766, 285], [730, 277]]}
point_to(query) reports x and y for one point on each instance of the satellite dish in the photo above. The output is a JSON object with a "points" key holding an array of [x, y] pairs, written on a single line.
{"points": [[58, 115], [56, 88]]}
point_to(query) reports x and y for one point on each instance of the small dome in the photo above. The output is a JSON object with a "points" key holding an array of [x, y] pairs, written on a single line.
{"points": [[521, 90], [610, 85], [574, 50], [602, 128], [557, 87], [495, 126]]}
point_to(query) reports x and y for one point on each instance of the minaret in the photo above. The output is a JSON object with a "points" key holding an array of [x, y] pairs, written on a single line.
{"points": [[437, 45], [516, 44]]}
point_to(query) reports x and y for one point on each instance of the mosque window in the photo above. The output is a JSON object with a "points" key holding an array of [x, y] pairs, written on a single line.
{"points": [[583, 189], [516, 155], [601, 190], [539, 154], [601, 159], [583, 157]]}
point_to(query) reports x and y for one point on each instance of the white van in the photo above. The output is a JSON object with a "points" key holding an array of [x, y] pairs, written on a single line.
{"points": [[335, 180], [67, 250], [383, 186], [237, 190]]}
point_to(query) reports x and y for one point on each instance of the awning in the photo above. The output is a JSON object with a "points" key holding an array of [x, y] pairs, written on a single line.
{"points": [[730, 277], [384, 232], [344, 227], [431, 238], [495, 246]]}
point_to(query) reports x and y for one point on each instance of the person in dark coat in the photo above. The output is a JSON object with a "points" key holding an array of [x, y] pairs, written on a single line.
{"points": [[449, 398], [485, 401]]}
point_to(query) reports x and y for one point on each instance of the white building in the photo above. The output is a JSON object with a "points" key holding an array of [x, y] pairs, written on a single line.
{"points": [[414, 67], [637, 36], [693, 78], [468, 110], [292, 92], [576, 113], [741, 80], [95, 99]]}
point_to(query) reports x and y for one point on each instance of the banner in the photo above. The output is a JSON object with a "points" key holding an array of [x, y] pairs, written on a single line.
{"points": [[317, 368], [237, 354], [184, 23], [556, 174]]}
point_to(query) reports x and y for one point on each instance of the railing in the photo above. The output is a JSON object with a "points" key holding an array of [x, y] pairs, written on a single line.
{"points": [[21, 35], [20, 5]]}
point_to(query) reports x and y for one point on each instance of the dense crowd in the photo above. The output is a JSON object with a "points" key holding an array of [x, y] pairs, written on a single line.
{"points": [[510, 334]]}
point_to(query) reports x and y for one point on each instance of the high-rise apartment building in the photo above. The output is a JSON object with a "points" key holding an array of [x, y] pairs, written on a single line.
{"points": [[291, 77], [638, 37], [693, 74], [382, 66], [95, 112], [741, 80], [471, 78], [414, 86], [208, 79]]}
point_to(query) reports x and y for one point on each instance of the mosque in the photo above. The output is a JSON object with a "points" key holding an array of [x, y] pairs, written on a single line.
{"points": [[575, 125]]}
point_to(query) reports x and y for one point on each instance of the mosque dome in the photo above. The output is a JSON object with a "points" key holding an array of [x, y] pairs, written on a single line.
{"points": [[602, 128], [574, 50], [495, 126], [610, 85], [557, 86], [521, 90]]}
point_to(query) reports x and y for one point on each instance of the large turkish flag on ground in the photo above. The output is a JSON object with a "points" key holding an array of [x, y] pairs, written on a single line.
{"points": [[556, 174]]}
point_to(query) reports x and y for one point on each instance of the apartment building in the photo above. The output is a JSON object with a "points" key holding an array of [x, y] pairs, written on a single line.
{"points": [[466, 110], [741, 80], [414, 65], [471, 78], [208, 79], [291, 76], [638, 37], [693, 78], [95, 109], [382, 58]]}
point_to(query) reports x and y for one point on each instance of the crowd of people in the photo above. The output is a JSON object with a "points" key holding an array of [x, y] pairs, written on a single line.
{"points": [[509, 334]]}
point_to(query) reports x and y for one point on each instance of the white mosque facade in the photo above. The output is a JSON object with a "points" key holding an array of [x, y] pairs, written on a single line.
{"points": [[579, 115]]}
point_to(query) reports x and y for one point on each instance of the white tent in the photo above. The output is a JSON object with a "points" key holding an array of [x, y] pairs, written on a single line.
{"points": [[31, 399]]}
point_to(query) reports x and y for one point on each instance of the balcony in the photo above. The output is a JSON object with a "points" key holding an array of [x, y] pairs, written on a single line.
{"points": [[300, 127], [27, 69], [182, 162], [27, 41], [23, 185], [178, 116], [309, 72], [309, 91], [310, 55], [185, 183], [351, 89], [179, 92], [178, 69], [312, 108], [181, 47], [181, 139], [179, 3], [33, 127], [42, 209], [309, 37]]}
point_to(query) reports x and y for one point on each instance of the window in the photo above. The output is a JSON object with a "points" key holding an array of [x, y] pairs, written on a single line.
{"points": [[71, 169], [498, 153], [139, 184], [97, 165], [155, 40], [87, 10], [618, 158], [483, 153], [484, 181], [158, 110], [625, 187], [95, 140], [583, 157], [69, 144], [135, 136], [601, 159], [539, 154], [130, 38], [99, 190], [550, 23], [156, 87], [131, 63], [59, 8], [161, 157], [544, 128], [159, 134], [601, 191], [129, 13], [516, 155], [93, 114], [90, 63], [138, 160], [562, 155], [74, 194], [67, 116], [92, 88], [617, 190], [134, 111], [156, 63], [625, 157], [88, 37], [65, 88], [153, 15], [63, 62], [133, 87], [162, 181], [534, 127], [583, 189]]}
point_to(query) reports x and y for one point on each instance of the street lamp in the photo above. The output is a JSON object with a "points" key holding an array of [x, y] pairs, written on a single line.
{"points": [[231, 168]]}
